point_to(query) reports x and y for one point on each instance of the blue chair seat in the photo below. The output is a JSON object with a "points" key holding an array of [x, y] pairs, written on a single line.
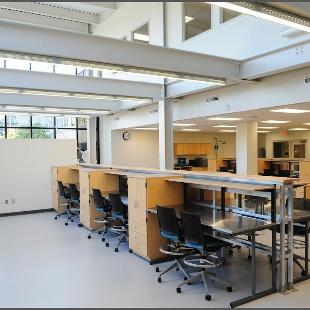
{"points": [[169, 236]]}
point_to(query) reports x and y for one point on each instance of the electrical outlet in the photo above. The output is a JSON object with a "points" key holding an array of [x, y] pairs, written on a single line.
{"points": [[6, 201]]}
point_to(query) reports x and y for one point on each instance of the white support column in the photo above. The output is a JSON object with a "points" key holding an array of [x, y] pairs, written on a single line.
{"points": [[91, 140], [165, 115], [246, 148], [105, 140]]}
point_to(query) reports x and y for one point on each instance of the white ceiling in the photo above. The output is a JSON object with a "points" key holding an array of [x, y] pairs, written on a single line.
{"points": [[259, 115]]}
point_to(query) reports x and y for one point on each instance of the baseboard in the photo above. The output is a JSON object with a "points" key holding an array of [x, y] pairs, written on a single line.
{"points": [[26, 212]]}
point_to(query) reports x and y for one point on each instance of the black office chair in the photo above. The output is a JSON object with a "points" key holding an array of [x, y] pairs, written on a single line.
{"points": [[102, 205], [74, 204], [170, 230], [223, 169], [63, 192], [119, 225], [203, 244]]}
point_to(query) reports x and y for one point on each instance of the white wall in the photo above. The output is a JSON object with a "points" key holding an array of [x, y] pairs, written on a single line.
{"points": [[292, 135], [240, 38], [142, 149], [131, 16], [25, 178]]}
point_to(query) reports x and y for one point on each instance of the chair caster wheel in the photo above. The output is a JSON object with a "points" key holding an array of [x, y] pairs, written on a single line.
{"points": [[303, 273], [103, 239], [107, 245], [157, 269], [159, 280], [130, 250], [89, 237], [185, 278], [177, 269], [66, 224], [238, 247], [100, 232], [231, 252], [116, 250], [80, 225], [179, 290], [208, 297], [72, 221], [249, 257], [55, 217], [229, 289]]}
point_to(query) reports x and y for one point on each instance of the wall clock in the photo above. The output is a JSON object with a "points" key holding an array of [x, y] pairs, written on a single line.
{"points": [[126, 135]]}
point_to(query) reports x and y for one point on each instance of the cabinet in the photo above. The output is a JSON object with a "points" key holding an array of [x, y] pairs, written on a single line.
{"points": [[143, 193], [192, 148]]}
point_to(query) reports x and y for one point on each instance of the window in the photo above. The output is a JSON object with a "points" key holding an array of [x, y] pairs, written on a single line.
{"points": [[18, 133], [2, 133], [42, 66], [18, 120], [65, 122], [19, 64], [281, 149], [65, 69], [141, 34], [228, 14], [42, 121], [197, 18]]}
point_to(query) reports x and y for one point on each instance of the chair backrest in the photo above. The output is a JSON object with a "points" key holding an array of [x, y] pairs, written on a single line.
{"points": [[301, 204], [192, 231], [74, 193], [116, 203], [168, 223], [98, 199], [61, 189]]}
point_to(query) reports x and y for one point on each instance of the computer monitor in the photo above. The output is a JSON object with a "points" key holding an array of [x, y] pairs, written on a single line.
{"points": [[181, 161]]}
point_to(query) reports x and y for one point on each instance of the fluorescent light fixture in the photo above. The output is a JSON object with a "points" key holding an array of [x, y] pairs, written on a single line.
{"points": [[263, 131], [188, 19], [190, 129], [291, 111], [267, 127], [227, 130], [146, 128], [183, 125], [224, 119], [141, 37], [225, 126], [271, 121], [307, 124], [35, 92], [268, 13], [298, 129]]}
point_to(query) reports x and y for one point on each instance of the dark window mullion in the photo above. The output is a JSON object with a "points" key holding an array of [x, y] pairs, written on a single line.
{"points": [[30, 126], [5, 128]]}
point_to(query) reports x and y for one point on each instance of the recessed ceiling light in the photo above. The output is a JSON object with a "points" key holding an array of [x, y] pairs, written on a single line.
{"points": [[271, 121], [141, 37], [224, 119], [227, 130], [146, 128], [266, 127], [268, 13], [225, 126], [188, 19], [290, 111], [190, 129], [263, 131], [298, 129], [183, 125], [16, 107]]}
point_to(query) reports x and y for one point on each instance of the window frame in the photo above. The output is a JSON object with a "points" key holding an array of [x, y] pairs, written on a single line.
{"points": [[141, 25]]}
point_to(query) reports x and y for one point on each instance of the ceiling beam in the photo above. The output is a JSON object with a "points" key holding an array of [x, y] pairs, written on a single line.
{"points": [[76, 47], [289, 58], [51, 11], [23, 18], [76, 84]]}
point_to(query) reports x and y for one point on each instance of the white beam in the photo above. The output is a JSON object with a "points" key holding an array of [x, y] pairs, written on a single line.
{"points": [[71, 83], [42, 21], [58, 102], [103, 50], [51, 11], [289, 58]]}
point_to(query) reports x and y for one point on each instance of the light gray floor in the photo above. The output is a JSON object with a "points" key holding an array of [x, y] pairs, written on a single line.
{"points": [[45, 264]]}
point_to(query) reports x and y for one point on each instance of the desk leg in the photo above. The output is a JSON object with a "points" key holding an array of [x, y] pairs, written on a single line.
{"points": [[274, 241], [223, 191], [240, 201], [307, 249], [253, 265]]}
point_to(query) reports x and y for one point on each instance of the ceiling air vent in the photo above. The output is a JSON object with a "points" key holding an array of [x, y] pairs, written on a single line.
{"points": [[212, 99]]}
